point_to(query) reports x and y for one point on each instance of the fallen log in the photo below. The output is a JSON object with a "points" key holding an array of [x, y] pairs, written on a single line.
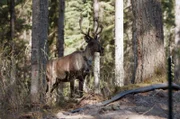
{"points": [[139, 90], [133, 91]]}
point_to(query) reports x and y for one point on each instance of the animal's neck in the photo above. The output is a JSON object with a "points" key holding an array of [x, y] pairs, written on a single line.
{"points": [[88, 54]]}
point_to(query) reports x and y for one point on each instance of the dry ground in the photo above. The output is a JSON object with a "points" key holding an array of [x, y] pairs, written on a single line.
{"points": [[149, 105]]}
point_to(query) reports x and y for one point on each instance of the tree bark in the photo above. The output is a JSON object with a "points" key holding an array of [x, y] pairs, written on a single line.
{"points": [[119, 53], [96, 55], [177, 42], [148, 41], [12, 32], [97, 72], [61, 28], [60, 45], [13, 86], [39, 49]]}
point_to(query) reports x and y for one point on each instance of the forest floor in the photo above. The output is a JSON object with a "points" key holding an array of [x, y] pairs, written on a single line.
{"points": [[148, 105]]}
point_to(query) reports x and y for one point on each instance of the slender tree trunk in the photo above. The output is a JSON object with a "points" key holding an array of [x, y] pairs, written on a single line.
{"points": [[12, 32], [61, 28], [119, 53], [177, 41], [96, 55], [38, 57], [43, 47], [13, 60], [53, 27], [148, 41], [60, 44]]}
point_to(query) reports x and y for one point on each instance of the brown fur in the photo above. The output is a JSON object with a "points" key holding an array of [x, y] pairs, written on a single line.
{"points": [[72, 66], [75, 65]]}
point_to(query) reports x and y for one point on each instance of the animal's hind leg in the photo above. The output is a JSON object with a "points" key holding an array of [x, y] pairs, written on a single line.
{"points": [[48, 94], [81, 84], [54, 86]]}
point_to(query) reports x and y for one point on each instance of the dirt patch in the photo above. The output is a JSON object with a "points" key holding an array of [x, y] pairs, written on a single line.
{"points": [[149, 105]]}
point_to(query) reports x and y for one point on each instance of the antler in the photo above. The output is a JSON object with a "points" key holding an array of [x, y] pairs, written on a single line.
{"points": [[80, 22], [97, 28]]}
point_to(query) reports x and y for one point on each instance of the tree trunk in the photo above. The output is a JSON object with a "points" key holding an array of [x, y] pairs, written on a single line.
{"points": [[61, 28], [60, 45], [119, 54], [13, 60], [39, 49], [177, 42], [149, 53], [12, 32], [96, 55], [43, 46], [97, 72]]}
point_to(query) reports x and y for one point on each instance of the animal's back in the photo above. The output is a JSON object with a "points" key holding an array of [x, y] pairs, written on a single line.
{"points": [[57, 68]]}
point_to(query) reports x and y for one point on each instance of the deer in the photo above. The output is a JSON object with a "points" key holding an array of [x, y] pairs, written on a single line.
{"points": [[76, 65]]}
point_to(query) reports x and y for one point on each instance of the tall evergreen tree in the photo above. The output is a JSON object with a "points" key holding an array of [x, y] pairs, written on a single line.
{"points": [[148, 41]]}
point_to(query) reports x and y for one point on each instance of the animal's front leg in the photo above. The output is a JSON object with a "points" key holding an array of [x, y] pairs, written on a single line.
{"points": [[72, 88]]}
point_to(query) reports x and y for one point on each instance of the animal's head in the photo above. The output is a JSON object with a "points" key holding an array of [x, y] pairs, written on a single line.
{"points": [[93, 41]]}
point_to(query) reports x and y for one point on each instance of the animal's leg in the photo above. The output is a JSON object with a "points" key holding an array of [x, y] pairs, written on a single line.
{"points": [[72, 88], [55, 85], [48, 94], [81, 84], [48, 84]]}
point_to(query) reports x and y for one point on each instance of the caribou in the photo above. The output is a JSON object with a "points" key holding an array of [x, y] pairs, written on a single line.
{"points": [[75, 65]]}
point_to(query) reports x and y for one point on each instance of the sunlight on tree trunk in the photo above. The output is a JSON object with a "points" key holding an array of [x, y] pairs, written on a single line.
{"points": [[119, 53], [97, 72], [148, 40], [177, 42], [96, 55]]}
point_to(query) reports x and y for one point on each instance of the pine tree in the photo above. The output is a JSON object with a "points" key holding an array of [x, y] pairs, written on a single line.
{"points": [[148, 40]]}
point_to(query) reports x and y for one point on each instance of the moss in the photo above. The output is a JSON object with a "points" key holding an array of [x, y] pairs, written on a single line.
{"points": [[151, 81]]}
